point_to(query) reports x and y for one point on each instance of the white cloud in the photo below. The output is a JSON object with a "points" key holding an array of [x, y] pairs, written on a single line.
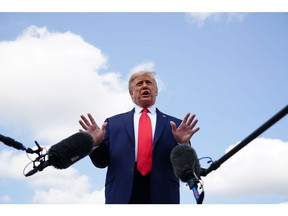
{"points": [[49, 79], [146, 66], [236, 17], [64, 186], [54, 196], [49, 186], [11, 165], [256, 170], [5, 199], [199, 19]]}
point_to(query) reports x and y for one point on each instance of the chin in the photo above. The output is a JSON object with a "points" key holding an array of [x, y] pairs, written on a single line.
{"points": [[146, 103]]}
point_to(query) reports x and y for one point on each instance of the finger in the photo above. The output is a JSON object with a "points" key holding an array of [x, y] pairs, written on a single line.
{"points": [[85, 120], [190, 120], [104, 126], [195, 130], [91, 119], [83, 125], [194, 123], [185, 118]]}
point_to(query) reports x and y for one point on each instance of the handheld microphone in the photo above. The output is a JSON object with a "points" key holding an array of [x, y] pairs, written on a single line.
{"points": [[66, 152], [187, 168]]}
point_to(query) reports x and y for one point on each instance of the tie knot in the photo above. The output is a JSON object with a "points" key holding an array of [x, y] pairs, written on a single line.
{"points": [[145, 110]]}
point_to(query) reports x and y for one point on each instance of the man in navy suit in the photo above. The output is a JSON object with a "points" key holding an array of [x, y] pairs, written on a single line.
{"points": [[116, 147]]}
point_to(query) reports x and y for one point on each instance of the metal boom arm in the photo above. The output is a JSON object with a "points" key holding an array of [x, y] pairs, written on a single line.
{"points": [[215, 165]]}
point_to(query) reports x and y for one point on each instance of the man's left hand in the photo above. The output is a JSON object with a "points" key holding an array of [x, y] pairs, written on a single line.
{"points": [[186, 129]]}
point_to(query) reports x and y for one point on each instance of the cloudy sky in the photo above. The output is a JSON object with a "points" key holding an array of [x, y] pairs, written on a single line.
{"points": [[228, 68]]}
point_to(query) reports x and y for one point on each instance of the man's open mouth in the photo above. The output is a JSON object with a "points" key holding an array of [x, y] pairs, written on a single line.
{"points": [[145, 93]]}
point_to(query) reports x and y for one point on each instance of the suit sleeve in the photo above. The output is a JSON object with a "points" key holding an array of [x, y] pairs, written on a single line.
{"points": [[100, 155]]}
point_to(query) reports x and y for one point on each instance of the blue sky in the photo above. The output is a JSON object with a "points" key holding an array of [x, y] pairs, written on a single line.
{"points": [[230, 69]]}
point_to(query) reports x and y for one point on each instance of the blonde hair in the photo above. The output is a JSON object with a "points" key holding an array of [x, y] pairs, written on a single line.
{"points": [[152, 74]]}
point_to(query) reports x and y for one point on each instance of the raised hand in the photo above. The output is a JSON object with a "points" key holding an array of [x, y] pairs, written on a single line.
{"points": [[186, 129], [91, 127]]}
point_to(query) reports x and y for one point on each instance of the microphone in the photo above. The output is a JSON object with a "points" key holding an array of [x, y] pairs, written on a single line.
{"points": [[70, 150], [12, 143], [187, 168], [66, 152]]}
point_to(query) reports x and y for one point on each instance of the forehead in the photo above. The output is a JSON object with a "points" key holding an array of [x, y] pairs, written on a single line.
{"points": [[143, 77]]}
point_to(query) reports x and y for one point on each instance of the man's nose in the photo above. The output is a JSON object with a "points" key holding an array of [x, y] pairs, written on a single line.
{"points": [[145, 84]]}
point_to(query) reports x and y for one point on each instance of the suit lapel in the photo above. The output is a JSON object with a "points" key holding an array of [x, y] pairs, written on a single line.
{"points": [[129, 122], [160, 124]]}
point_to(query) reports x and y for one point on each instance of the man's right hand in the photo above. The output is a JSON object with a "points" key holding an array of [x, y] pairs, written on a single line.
{"points": [[91, 127]]}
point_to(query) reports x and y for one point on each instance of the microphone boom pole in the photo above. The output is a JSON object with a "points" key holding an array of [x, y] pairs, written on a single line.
{"points": [[215, 165]]}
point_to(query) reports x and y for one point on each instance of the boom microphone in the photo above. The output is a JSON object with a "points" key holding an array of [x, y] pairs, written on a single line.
{"points": [[70, 150], [187, 168], [184, 161], [66, 152], [12, 143]]}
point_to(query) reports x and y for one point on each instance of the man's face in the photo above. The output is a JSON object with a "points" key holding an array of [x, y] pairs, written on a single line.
{"points": [[144, 91]]}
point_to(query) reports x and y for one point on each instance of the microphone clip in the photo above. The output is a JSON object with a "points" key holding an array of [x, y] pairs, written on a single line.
{"points": [[39, 163], [37, 151]]}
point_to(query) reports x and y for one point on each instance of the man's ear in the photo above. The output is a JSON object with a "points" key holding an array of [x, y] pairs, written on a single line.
{"points": [[131, 93]]}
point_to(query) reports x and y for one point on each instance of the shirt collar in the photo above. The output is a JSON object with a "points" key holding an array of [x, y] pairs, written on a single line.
{"points": [[152, 109]]}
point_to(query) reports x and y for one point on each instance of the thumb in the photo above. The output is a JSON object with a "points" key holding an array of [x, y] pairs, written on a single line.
{"points": [[173, 125], [104, 126]]}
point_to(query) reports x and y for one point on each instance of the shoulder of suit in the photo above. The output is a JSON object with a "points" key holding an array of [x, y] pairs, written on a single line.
{"points": [[169, 117], [122, 114]]}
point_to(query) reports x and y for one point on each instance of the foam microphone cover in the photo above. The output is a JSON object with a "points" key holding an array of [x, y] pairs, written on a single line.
{"points": [[70, 150], [185, 162]]}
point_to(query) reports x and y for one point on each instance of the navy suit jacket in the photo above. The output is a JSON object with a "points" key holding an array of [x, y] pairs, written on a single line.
{"points": [[117, 152]]}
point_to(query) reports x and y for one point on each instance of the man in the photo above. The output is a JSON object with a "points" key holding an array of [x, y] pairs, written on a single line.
{"points": [[118, 147]]}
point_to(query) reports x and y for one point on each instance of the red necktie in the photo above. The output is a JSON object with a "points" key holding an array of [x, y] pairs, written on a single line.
{"points": [[144, 159]]}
